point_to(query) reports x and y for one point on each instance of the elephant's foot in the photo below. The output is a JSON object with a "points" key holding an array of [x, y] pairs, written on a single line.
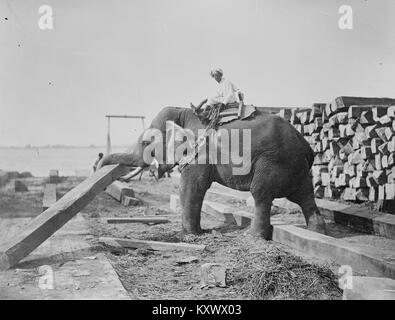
{"points": [[260, 232], [197, 230], [317, 224]]}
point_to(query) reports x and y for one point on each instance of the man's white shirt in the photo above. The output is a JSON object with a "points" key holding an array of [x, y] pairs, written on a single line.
{"points": [[227, 93]]}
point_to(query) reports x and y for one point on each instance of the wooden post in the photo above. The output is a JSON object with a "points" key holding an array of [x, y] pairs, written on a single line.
{"points": [[49, 195], [52, 219], [108, 147]]}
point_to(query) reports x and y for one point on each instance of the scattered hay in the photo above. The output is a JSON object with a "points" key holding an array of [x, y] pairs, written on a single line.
{"points": [[272, 274]]}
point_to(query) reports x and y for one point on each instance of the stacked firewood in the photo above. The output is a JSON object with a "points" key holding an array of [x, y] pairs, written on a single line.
{"points": [[353, 140]]}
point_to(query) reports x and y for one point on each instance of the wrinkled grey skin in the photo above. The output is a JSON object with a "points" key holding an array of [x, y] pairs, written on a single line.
{"points": [[280, 167]]}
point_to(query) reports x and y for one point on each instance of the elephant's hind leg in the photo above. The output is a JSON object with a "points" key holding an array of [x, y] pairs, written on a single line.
{"points": [[261, 223], [263, 186], [304, 197]]}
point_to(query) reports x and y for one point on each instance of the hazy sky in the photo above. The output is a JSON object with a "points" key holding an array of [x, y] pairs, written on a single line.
{"points": [[137, 56]]}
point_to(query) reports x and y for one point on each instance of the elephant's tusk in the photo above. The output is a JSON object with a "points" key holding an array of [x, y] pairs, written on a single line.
{"points": [[132, 174]]}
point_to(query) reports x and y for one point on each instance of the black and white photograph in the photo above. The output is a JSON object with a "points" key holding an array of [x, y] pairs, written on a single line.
{"points": [[197, 156]]}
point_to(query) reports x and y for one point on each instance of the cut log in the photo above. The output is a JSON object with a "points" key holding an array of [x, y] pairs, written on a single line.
{"points": [[317, 170], [389, 133], [54, 176], [146, 220], [343, 103], [381, 193], [374, 145], [334, 148], [356, 111], [384, 161], [349, 169], [381, 133], [333, 133], [19, 186], [371, 131], [391, 160], [3, 178], [367, 117], [390, 191], [383, 149], [362, 194], [285, 113], [49, 198], [304, 116], [379, 111], [331, 192], [355, 158], [378, 178], [316, 111], [366, 152], [130, 201], [152, 245], [317, 180], [373, 194], [359, 182], [385, 120], [342, 181], [319, 192], [119, 189], [349, 194], [391, 145], [52, 219], [325, 178]]}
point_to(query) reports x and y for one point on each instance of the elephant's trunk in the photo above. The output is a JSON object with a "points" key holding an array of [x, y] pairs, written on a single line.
{"points": [[128, 159], [132, 174]]}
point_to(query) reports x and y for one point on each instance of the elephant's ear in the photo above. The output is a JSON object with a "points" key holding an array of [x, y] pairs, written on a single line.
{"points": [[178, 139]]}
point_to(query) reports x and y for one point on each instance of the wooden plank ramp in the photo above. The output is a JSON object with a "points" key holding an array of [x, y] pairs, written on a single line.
{"points": [[52, 219], [66, 266]]}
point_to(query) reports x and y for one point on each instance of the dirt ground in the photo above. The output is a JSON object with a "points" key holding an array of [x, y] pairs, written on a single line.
{"points": [[256, 269]]}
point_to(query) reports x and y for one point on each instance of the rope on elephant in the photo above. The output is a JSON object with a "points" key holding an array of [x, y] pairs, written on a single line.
{"points": [[213, 116]]}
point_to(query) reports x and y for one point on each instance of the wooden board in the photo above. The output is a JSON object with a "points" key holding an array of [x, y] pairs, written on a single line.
{"points": [[52, 219], [151, 245], [147, 220]]}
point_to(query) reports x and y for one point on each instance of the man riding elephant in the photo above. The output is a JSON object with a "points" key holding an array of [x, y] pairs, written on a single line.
{"points": [[227, 94]]}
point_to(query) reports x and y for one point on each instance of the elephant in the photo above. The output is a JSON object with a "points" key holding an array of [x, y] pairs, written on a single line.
{"points": [[280, 157]]}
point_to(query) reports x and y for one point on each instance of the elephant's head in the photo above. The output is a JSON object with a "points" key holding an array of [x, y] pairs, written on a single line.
{"points": [[159, 141]]}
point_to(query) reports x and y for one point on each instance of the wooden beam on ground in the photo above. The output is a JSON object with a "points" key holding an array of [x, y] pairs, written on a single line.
{"points": [[118, 190], [147, 220], [52, 219], [151, 245], [49, 195]]}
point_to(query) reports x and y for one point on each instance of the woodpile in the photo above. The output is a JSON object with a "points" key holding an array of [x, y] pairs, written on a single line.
{"points": [[353, 140]]}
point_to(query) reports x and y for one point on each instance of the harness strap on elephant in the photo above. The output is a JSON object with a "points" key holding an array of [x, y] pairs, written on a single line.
{"points": [[214, 117]]}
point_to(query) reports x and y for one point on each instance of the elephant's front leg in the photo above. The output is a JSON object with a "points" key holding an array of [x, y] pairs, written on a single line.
{"points": [[195, 180]]}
